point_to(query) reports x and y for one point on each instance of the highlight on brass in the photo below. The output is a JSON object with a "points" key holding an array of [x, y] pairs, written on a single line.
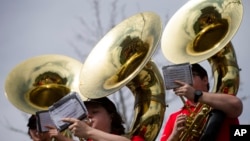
{"points": [[38, 82], [123, 58], [132, 54], [202, 30]]}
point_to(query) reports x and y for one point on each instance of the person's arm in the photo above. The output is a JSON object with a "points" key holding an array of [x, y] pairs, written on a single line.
{"points": [[83, 130], [229, 104], [98, 135]]}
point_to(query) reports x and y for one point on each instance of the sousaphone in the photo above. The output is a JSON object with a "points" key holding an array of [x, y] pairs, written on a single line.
{"points": [[201, 30], [123, 58], [37, 83]]}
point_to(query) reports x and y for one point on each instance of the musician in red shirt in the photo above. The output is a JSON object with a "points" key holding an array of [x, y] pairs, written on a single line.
{"points": [[229, 104]]}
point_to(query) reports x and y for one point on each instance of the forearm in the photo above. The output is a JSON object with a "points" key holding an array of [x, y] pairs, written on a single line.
{"points": [[230, 105], [98, 135]]}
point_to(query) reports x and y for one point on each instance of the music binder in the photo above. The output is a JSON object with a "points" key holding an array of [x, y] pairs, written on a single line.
{"points": [[181, 72], [70, 106], [43, 119]]}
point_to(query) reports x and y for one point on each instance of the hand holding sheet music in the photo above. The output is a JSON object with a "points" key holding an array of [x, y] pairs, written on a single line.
{"points": [[70, 106], [181, 72]]}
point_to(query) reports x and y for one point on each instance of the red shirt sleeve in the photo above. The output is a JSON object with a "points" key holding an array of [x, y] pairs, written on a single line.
{"points": [[168, 127]]}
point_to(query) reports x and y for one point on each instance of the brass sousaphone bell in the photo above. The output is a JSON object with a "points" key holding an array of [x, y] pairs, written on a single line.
{"points": [[38, 82], [200, 29], [120, 52]]}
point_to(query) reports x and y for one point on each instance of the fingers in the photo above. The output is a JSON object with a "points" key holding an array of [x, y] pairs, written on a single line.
{"points": [[180, 82], [179, 125], [70, 120], [50, 127], [76, 130], [77, 127], [75, 123], [180, 91], [180, 121], [181, 118], [73, 130], [180, 129]]}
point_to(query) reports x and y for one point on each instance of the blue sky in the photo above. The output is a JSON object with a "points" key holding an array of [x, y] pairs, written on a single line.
{"points": [[30, 28]]}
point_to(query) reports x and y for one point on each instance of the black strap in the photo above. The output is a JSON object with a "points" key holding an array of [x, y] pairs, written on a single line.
{"points": [[213, 125]]}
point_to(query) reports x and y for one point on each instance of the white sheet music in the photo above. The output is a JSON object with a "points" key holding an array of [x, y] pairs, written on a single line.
{"points": [[44, 119], [182, 72]]}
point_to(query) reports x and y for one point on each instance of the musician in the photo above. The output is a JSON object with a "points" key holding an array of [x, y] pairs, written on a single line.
{"points": [[105, 124], [229, 104]]}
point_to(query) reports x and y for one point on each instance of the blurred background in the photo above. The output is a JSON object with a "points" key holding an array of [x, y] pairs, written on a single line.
{"points": [[30, 28]]}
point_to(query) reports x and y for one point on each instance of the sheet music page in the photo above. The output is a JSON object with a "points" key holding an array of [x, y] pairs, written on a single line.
{"points": [[69, 106], [44, 119], [182, 72]]}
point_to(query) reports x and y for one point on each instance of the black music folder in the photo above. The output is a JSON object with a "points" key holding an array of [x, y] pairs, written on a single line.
{"points": [[43, 119], [181, 72], [70, 106]]}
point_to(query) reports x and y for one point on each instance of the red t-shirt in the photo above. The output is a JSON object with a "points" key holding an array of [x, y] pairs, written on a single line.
{"points": [[223, 135]]}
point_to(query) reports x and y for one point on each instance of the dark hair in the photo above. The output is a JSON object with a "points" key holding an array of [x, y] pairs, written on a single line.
{"points": [[198, 70], [117, 122], [31, 124]]}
